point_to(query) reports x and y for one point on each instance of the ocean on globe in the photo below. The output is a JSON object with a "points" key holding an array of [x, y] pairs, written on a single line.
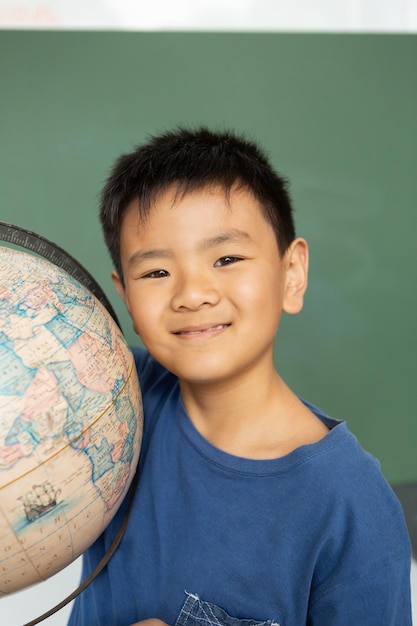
{"points": [[70, 419]]}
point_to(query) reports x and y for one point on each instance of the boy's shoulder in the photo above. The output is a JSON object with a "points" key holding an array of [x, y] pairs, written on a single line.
{"points": [[153, 377], [352, 479]]}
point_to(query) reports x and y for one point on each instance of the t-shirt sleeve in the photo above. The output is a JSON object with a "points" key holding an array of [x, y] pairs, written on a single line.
{"points": [[362, 572], [380, 596]]}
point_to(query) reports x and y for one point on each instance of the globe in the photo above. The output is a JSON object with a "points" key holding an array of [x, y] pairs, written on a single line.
{"points": [[70, 419]]}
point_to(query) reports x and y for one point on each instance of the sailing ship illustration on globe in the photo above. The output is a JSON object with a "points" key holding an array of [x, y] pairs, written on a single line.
{"points": [[40, 500]]}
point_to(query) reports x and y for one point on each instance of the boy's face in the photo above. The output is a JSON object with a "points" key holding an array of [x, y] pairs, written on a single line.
{"points": [[205, 285]]}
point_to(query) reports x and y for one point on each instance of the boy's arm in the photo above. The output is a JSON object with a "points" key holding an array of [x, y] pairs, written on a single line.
{"points": [[382, 596]]}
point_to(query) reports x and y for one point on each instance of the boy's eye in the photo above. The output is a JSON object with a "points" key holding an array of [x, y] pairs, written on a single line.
{"points": [[156, 274], [226, 260]]}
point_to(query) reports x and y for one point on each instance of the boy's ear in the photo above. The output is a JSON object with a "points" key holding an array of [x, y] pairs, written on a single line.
{"points": [[296, 263], [117, 282]]}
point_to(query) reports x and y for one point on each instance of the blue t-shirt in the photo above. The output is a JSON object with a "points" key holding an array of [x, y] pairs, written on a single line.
{"points": [[315, 538]]}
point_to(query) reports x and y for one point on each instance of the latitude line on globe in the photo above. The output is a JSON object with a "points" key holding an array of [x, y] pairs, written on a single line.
{"points": [[98, 418]]}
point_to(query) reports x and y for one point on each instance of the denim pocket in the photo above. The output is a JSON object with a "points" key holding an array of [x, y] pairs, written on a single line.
{"points": [[196, 612]]}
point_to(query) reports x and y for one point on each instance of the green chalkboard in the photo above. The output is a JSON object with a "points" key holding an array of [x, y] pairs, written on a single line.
{"points": [[338, 116]]}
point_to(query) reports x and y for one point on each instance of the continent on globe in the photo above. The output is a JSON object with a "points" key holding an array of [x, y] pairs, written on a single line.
{"points": [[70, 419]]}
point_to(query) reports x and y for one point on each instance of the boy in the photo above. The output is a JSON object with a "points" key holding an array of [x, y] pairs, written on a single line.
{"points": [[252, 505]]}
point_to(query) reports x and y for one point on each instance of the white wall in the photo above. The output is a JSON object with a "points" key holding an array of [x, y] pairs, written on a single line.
{"points": [[264, 15]]}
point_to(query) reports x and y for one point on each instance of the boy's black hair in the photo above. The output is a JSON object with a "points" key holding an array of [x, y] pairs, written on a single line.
{"points": [[191, 160]]}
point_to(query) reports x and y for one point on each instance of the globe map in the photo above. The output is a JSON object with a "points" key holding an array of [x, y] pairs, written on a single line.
{"points": [[70, 419]]}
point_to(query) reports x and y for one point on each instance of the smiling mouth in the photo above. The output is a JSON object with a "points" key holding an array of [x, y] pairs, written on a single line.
{"points": [[201, 331]]}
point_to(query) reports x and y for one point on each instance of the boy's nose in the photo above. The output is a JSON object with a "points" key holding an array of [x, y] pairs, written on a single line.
{"points": [[194, 291]]}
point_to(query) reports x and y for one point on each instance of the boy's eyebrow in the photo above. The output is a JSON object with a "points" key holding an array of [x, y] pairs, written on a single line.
{"points": [[229, 235], [151, 253], [234, 235]]}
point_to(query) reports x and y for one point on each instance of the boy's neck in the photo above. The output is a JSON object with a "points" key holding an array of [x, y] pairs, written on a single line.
{"points": [[251, 420]]}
